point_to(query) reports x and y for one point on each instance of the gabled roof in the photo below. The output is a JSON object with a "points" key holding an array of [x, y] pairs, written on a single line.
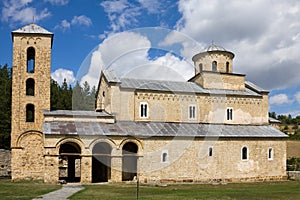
{"points": [[32, 28], [254, 87], [161, 129], [111, 76]]}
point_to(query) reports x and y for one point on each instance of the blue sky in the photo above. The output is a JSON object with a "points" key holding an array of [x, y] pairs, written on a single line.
{"points": [[162, 36]]}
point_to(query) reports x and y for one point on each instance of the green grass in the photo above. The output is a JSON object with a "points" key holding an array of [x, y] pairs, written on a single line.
{"points": [[24, 190], [268, 190]]}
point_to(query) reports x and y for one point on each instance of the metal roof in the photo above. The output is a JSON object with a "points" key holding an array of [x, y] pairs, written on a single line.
{"points": [[111, 76], [160, 129], [32, 28], [173, 86], [252, 86], [76, 113]]}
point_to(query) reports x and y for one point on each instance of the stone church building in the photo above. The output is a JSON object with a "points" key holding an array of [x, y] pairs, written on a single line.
{"points": [[213, 127]]}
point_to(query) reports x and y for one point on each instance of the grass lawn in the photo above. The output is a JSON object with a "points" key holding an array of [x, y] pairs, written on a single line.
{"points": [[268, 190], [24, 189]]}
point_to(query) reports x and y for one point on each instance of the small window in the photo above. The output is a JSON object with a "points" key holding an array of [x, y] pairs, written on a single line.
{"points": [[30, 60], [244, 153], [29, 113], [192, 112], [214, 66], [103, 93], [143, 110], [200, 67], [227, 67], [270, 154], [164, 157], [30, 87], [210, 152], [229, 114]]}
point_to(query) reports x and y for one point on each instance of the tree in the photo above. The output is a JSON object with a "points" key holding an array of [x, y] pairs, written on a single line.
{"points": [[5, 106]]}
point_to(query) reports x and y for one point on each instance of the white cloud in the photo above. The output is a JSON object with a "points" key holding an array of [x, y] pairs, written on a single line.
{"points": [[297, 97], [20, 11], [131, 59], [81, 20], [60, 74], [58, 2], [264, 35], [279, 99]]}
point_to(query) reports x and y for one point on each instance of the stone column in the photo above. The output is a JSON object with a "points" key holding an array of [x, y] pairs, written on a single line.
{"points": [[116, 169], [51, 174], [86, 169]]}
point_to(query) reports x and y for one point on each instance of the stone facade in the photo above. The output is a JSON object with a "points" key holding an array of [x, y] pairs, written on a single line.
{"points": [[5, 168], [212, 128]]}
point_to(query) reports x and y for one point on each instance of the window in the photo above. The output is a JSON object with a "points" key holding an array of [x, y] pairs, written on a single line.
{"points": [[30, 60], [30, 87], [192, 112], [214, 66], [200, 67], [210, 151], [270, 154], [29, 113], [143, 110], [229, 114], [227, 67], [164, 157], [244, 153]]}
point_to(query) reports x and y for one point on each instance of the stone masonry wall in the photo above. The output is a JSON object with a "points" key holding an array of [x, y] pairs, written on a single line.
{"points": [[5, 169]]}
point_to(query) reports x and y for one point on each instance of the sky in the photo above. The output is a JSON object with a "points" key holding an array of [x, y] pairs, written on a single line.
{"points": [[157, 39]]}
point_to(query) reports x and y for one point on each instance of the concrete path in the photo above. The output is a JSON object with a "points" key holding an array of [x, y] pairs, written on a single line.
{"points": [[62, 194]]}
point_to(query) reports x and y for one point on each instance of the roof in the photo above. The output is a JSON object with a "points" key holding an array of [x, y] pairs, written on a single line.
{"points": [[32, 28], [254, 87], [76, 113], [272, 120], [111, 76], [176, 86], [161, 129], [214, 47]]}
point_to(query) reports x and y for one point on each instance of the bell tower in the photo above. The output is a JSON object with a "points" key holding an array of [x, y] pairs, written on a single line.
{"points": [[31, 62]]}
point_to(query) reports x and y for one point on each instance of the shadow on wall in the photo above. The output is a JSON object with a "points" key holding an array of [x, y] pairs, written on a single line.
{"points": [[5, 169]]}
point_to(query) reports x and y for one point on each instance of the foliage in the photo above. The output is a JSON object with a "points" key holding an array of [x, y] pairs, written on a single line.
{"points": [[5, 106], [293, 164]]}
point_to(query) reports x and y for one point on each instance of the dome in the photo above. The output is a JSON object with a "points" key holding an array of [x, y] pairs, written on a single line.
{"points": [[214, 47]]}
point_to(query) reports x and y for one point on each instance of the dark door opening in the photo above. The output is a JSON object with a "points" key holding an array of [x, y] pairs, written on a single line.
{"points": [[101, 162], [129, 161]]}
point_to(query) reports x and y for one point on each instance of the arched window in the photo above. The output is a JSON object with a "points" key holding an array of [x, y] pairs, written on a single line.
{"points": [[227, 67], [200, 67], [270, 154], [30, 60], [29, 113], [244, 153], [210, 151], [164, 157], [30, 87], [214, 66]]}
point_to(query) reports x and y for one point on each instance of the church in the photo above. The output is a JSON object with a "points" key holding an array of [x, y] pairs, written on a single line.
{"points": [[212, 128]]}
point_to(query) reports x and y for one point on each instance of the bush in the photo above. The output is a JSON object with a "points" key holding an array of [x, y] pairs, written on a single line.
{"points": [[293, 164]]}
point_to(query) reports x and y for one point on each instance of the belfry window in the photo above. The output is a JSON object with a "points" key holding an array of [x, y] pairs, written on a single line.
{"points": [[214, 66], [30, 60], [30, 87], [29, 113], [227, 67], [200, 67], [244, 153], [270, 154], [143, 110]]}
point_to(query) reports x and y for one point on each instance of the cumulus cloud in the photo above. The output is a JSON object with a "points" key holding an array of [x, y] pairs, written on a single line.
{"points": [[21, 11], [264, 35], [131, 59], [81, 20], [58, 2], [279, 99], [60, 75], [297, 97]]}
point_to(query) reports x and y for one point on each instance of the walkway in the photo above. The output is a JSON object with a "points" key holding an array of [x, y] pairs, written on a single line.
{"points": [[62, 194]]}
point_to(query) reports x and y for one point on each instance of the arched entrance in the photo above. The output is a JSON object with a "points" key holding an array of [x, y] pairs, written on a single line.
{"points": [[129, 161], [101, 162], [69, 162]]}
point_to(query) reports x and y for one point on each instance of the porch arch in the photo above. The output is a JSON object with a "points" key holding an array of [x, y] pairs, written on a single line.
{"points": [[129, 160], [101, 162]]}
